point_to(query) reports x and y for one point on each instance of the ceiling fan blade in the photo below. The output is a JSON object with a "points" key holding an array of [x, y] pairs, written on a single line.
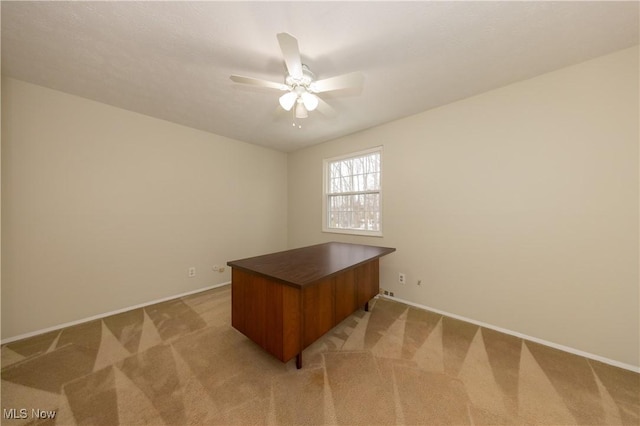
{"points": [[259, 82], [291, 54], [352, 80], [325, 109]]}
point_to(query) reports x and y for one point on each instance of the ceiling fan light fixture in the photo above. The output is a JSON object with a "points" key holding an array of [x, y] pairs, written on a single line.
{"points": [[301, 111], [287, 100], [310, 101]]}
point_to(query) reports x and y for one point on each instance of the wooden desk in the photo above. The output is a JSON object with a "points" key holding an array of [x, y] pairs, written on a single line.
{"points": [[285, 301]]}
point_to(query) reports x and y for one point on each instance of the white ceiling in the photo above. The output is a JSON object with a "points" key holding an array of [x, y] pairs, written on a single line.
{"points": [[172, 60]]}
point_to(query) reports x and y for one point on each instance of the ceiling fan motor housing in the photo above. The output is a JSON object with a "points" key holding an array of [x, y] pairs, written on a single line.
{"points": [[305, 81]]}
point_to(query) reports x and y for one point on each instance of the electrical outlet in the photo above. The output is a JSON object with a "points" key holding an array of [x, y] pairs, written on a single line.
{"points": [[401, 278], [192, 272], [391, 293], [218, 268], [386, 293]]}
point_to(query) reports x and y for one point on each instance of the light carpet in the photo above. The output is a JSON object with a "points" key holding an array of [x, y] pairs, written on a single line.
{"points": [[181, 363]]}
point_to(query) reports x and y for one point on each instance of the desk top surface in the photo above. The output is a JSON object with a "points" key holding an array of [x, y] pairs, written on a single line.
{"points": [[307, 265]]}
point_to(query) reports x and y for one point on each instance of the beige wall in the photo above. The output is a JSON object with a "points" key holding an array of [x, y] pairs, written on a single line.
{"points": [[517, 207], [103, 208]]}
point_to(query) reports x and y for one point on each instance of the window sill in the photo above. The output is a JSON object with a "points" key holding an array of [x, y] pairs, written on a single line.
{"points": [[353, 232]]}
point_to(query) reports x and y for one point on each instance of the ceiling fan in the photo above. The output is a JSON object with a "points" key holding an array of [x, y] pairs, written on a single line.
{"points": [[300, 84]]}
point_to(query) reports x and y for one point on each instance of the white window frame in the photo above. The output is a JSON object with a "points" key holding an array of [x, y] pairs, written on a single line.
{"points": [[325, 195]]}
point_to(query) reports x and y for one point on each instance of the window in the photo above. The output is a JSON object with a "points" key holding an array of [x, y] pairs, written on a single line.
{"points": [[353, 193]]}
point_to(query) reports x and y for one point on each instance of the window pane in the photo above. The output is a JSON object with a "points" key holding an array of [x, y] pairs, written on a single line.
{"points": [[355, 174], [359, 211]]}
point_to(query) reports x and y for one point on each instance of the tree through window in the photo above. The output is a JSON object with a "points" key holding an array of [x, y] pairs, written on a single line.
{"points": [[353, 196]]}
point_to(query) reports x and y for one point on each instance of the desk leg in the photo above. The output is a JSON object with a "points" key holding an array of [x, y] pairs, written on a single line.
{"points": [[299, 361], [366, 306]]}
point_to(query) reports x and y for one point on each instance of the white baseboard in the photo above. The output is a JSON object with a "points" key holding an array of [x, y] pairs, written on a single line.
{"points": [[568, 349], [106, 314], [571, 350]]}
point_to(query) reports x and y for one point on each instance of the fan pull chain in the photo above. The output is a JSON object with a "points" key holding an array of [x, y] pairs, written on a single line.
{"points": [[293, 115]]}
